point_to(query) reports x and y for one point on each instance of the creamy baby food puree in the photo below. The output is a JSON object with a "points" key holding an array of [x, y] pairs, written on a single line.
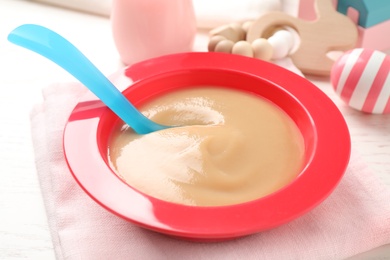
{"points": [[232, 147]]}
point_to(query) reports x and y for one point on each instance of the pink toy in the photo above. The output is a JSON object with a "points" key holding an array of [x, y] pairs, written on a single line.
{"points": [[361, 78], [375, 37], [306, 9]]}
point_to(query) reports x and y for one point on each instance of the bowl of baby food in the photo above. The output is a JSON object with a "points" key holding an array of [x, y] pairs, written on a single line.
{"points": [[254, 146]]}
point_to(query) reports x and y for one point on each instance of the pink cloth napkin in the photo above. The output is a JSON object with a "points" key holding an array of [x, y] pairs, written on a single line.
{"points": [[353, 219]]}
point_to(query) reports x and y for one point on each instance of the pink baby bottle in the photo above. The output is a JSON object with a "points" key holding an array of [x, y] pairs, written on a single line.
{"points": [[144, 29]]}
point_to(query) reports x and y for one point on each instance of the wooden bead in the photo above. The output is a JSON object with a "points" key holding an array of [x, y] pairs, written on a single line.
{"points": [[296, 40], [286, 36], [241, 33], [228, 32], [243, 48], [281, 43], [262, 49], [246, 25], [224, 46], [214, 40], [231, 39]]}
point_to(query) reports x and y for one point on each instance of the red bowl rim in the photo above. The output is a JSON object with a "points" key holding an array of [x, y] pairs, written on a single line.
{"points": [[322, 174]]}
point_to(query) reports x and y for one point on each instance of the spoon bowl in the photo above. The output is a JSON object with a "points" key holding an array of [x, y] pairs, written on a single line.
{"points": [[56, 48]]}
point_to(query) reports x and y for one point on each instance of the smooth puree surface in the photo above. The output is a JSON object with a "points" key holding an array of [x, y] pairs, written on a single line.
{"points": [[232, 147]]}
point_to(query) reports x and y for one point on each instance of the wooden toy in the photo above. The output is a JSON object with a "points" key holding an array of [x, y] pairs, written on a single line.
{"points": [[262, 49], [225, 46], [362, 80], [282, 42], [231, 39], [331, 31], [372, 18], [232, 32], [243, 48]]}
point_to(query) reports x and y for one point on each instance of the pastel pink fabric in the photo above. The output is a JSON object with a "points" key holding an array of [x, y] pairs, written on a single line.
{"points": [[353, 219]]}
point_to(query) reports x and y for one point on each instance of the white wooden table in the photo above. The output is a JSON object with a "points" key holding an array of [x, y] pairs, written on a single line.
{"points": [[24, 232]]}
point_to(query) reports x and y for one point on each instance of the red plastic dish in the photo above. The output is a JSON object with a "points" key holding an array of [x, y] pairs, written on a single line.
{"points": [[326, 136]]}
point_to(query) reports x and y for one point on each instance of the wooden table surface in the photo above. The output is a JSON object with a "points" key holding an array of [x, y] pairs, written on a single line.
{"points": [[24, 231]]}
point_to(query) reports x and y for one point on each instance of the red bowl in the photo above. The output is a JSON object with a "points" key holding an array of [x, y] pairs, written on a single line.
{"points": [[326, 138]]}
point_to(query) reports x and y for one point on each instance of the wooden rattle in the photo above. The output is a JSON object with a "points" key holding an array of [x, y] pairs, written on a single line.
{"points": [[231, 39], [331, 31], [361, 78]]}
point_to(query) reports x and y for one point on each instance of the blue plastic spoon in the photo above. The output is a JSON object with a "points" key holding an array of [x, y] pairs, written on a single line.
{"points": [[53, 46]]}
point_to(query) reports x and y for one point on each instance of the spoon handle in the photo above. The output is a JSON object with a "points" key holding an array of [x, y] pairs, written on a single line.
{"points": [[59, 50]]}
